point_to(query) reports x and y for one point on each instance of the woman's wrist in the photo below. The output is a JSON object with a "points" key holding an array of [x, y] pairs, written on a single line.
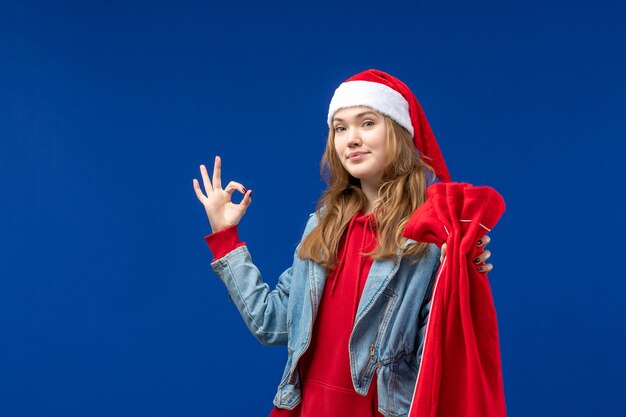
{"points": [[223, 241], [215, 228]]}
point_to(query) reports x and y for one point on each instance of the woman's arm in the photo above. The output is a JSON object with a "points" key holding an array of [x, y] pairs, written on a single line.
{"points": [[264, 311]]}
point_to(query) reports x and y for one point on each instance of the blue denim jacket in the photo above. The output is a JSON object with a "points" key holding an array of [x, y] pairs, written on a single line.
{"points": [[387, 337]]}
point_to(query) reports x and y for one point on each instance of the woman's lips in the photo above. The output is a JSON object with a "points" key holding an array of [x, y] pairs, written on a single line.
{"points": [[355, 156]]}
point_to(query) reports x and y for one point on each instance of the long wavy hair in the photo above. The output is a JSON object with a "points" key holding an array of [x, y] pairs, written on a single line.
{"points": [[405, 178]]}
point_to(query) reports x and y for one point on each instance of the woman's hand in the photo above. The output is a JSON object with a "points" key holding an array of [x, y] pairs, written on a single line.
{"points": [[480, 259], [220, 210]]}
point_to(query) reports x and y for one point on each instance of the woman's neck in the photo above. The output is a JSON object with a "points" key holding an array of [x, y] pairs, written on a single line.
{"points": [[371, 194]]}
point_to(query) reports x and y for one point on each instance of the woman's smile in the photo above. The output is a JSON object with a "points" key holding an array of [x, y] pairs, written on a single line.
{"points": [[356, 156]]}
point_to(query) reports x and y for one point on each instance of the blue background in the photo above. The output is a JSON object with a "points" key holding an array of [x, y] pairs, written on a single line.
{"points": [[108, 305]]}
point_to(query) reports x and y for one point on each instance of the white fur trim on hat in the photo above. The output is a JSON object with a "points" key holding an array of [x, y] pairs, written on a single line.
{"points": [[378, 96]]}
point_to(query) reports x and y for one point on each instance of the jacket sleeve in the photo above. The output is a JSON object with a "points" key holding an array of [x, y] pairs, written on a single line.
{"points": [[424, 314], [263, 310]]}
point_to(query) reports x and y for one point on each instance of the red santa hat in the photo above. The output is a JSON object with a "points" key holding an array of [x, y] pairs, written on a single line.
{"points": [[391, 97]]}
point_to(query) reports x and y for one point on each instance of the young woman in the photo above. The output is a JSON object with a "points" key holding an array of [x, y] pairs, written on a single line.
{"points": [[353, 307]]}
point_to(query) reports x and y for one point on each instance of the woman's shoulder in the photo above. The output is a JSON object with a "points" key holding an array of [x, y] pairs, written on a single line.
{"points": [[314, 219], [311, 223]]}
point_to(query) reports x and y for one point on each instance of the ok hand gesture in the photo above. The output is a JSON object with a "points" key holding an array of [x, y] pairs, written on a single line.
{"points": [[220, 210]]}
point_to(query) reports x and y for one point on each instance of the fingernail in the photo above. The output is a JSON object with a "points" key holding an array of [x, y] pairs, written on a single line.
{"points": [[476, 260], [480, 242], [480, 269], [244, 190]]}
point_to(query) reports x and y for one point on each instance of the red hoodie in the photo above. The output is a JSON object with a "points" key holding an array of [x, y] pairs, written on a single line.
{"points": [[327, 389]]}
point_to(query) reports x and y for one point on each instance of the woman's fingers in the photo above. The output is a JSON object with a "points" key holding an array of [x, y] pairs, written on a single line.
{"points": [[483, 241], [217, 173], [478, 260], [208, 187], [233, 185], [482, 257], [247, 194], [247, 199], [199, 194]]}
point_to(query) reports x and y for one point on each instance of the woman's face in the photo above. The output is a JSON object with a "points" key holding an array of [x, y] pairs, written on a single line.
{"points": [[360, 142]]}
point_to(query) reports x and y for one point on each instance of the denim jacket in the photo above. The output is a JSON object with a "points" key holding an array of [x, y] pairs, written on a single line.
{"points": [[388, 333]]}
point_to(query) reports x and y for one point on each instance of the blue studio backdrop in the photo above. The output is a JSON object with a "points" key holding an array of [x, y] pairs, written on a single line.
{"points": [[108, 304]]}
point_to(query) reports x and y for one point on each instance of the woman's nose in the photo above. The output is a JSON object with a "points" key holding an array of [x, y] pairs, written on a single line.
{"points": [[354, 138]]}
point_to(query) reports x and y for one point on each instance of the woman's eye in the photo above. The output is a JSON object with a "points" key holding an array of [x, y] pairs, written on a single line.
{"points": [[368, 123], [339, 129]]}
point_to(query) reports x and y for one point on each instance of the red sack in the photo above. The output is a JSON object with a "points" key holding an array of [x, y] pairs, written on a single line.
{"points": [[460, 372]]}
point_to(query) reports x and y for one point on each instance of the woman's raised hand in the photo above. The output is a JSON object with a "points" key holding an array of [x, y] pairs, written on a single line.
{"points": [[220, 209]]}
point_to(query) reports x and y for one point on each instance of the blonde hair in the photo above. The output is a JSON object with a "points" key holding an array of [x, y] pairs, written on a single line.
{"points": [[404, 181]]}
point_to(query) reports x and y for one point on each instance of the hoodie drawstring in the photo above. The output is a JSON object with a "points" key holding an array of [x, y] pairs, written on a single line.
{"points": [[366, 222]]}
